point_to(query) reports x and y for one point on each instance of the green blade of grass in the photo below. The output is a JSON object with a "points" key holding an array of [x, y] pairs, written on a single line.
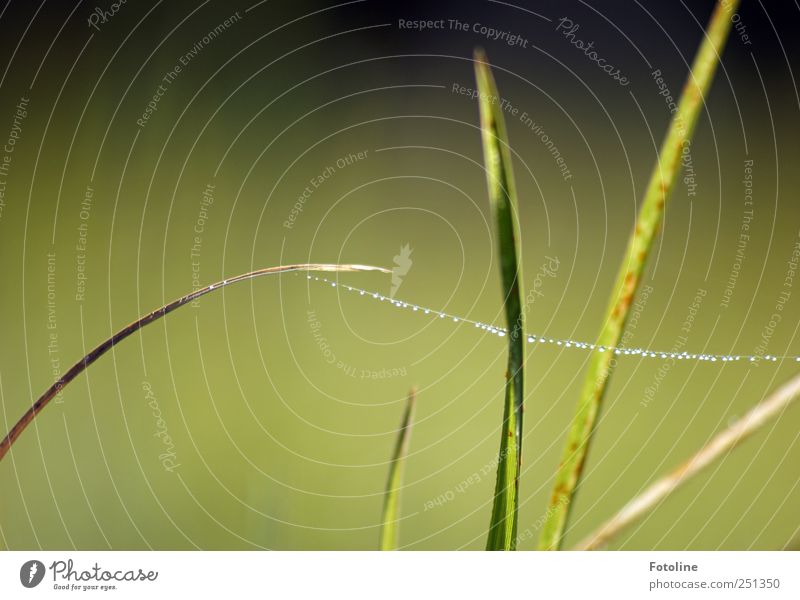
{"points": [[80, 366], [391, 503], [758, 416], [650, 216], [502, 196]]}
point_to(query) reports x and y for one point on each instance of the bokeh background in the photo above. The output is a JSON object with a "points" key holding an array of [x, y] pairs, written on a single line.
{"points": [[272, 444]]}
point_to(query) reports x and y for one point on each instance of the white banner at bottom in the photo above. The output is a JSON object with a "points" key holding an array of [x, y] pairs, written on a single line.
{"points": [[400, 575]]}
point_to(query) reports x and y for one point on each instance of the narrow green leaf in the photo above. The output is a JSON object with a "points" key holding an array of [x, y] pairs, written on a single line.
{"points": [[651, 214], [502, 196], [391, 503]]}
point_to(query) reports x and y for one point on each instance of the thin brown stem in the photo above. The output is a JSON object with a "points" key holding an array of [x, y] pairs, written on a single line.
{"points": [[107, 345], [724, 441]]}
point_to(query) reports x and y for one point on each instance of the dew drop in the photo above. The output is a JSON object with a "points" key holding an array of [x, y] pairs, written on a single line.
{"points": [[500, 332]]}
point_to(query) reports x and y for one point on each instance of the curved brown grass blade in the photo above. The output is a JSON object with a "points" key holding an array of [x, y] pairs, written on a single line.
{"points": [[80, 366]]}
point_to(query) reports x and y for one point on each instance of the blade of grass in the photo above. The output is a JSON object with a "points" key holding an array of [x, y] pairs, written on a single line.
{"points": [[724, 441], [391, 503], [658, 190], [502, 196], [80, 366]]}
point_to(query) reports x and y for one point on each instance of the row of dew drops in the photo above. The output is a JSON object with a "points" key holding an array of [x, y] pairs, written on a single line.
{"points": [[537, 339]]}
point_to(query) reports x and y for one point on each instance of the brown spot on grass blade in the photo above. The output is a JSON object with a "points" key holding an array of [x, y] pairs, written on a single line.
{"points": [[503, 200], [718, 447], [651, 214], [391, 503], [129, 330]]}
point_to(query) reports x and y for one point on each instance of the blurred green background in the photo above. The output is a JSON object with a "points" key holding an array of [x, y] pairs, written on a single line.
{"points": [[271, 443]]}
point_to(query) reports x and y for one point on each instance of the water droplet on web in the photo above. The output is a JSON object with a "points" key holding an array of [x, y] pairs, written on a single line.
{"points": [[537, 340]]}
